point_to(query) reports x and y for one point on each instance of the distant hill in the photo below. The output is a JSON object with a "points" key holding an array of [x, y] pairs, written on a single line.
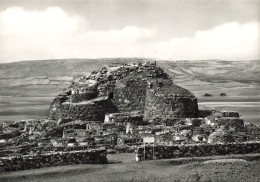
{"points": [[63, 71], [28, 87], [216, 70], [58, 71]]}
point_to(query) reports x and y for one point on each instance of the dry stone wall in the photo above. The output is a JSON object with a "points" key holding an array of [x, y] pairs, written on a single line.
{"points": [[83, 96], [52, 159], [165, 100], [129, 95], [91, 111], [130, 87], [83, 93], [196, 150]]}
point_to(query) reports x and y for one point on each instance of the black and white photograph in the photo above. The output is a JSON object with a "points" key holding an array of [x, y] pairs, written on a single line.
{"points": [[129, 90]]}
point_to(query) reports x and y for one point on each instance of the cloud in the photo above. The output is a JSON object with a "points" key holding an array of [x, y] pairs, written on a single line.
{"points": [[34, 34], [229, 41], [127, 34], [17, 21], [52, 33]]}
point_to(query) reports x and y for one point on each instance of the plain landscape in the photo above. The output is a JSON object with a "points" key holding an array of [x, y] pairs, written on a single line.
{"points": [[28, 87]]}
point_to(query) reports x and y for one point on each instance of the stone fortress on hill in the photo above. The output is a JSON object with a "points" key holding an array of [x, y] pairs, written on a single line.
{"points": [[131, 87], [126, 102], [113, 110]]}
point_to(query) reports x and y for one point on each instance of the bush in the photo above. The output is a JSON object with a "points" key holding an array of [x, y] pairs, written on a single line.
{"points": [[223, 94]]}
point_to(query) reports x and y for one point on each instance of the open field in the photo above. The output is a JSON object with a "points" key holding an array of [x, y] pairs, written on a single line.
{"points": [[33, 101], [241, 97], [26, 102], [122, 167]]}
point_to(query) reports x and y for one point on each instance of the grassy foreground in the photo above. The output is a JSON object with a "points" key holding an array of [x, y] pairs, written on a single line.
{"points": [[123, 168]]}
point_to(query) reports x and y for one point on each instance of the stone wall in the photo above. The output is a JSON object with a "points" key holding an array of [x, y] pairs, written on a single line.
{"points": [[52, 159], [89, 110], [129, 94], [131, 87], [78, 97], [132, 117], [165, 100], [55, 107], [230, 122], [196, 150]]}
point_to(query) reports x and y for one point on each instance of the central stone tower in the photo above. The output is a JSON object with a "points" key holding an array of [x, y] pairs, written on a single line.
{"points": [[140, 87]]}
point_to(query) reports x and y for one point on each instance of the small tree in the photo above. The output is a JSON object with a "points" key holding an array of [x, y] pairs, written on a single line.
{"points": [[207, 95]]}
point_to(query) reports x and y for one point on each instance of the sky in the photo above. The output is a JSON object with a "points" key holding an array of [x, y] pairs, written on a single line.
{"points": [[162, 29]]}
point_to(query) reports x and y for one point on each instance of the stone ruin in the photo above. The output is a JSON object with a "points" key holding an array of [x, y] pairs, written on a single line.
{"points": [[132, 101], [194, 150], [112, 110], [25, 162], [141, 87]]}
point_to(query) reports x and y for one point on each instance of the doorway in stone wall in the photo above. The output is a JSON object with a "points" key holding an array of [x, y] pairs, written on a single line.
{"points": [[111, 95]]}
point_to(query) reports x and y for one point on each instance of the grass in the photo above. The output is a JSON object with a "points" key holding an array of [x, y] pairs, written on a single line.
{"points": [[123, 168]]}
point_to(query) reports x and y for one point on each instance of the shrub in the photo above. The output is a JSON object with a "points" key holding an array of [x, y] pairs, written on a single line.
{"points": [[223, 94]]}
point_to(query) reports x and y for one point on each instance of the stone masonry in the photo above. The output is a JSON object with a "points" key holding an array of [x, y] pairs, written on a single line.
{"points": [[130, 87]]}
